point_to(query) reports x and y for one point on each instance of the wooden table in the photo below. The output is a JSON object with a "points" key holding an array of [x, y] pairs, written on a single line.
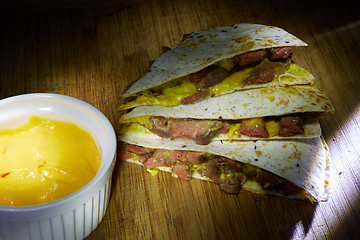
{"points": [[92, 49]]}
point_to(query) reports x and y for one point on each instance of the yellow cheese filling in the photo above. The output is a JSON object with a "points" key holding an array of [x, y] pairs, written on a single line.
{"points": [[45, 160], [173, 92]]}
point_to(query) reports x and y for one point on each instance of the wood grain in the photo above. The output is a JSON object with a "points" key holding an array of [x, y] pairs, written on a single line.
{"points": [[92, 50]]}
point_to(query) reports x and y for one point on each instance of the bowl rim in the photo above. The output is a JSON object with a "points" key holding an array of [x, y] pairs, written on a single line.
{"points": [[36, 212]]}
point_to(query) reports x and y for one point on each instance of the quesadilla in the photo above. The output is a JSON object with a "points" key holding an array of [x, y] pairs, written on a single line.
{"points": [[262, 113], [293, 168], [228, 105], [218, 61]]}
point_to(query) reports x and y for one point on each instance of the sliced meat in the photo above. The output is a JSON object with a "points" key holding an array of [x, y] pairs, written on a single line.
{"points": [[237, 166], [194, 157], [186, 156], [291, 125], [250, 57], [212, 171], [213, 76], [178, 155], [233, 181], [160, 158], [265, 72], [253, 127], [313, 115], [225, 128], [124, 155], [137, 149], [267, 178], [288, 188], [142, 152], [143, 157], [182, 170], [202, 131], [198, 75], [195, 97], [280, 52]]}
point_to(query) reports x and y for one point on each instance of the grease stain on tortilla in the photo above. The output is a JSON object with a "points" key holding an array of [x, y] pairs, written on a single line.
{"points": [[247, 45], [271, 98], [284, 101], [258, 153], [243, 39]]}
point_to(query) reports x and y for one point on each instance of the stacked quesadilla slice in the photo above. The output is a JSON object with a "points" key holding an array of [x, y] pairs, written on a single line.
{"points": [[230, 106]]}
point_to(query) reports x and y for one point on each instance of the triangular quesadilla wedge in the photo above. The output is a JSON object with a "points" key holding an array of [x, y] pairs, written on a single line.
{"points": [[218, 61], [262, 113], [293, 168]]}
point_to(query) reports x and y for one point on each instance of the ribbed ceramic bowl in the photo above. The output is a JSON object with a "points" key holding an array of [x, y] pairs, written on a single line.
{"points": [[74, 216]]}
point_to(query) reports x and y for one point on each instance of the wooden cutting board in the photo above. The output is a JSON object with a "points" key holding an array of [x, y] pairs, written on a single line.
{"points": [[92, 50]]}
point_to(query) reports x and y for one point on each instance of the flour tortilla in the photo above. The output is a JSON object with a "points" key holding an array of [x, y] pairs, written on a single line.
{"points": [[204, 48], [306, 162], [260, 102]]}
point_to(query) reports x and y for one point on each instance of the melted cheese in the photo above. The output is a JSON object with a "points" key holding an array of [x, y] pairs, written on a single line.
{"points": [[173, 92], [272, 127], [295, 72], [253, 122], [45, 160], [231, 82], [233, 131], [253, 186]]}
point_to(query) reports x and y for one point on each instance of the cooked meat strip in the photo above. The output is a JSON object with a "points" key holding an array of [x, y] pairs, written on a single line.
{"points": [[194, 97], [198, 75], [280, 52], [313, 115], [142, 152], [160, 158], [257, 130], [291, 125], [194, 157], [186, 156], [267, 178], [265, 72], [212, 171], [182, 170], [225, 128], [213, 76], [288, 188], [199, 130], [270, 180], [250, 57], [123, 155], [179, 155], [237, 166], [232, 181], [137, 149]]}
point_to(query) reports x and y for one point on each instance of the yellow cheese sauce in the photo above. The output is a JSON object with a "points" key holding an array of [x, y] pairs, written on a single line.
{"points": [[173, 92], [45, 160]]}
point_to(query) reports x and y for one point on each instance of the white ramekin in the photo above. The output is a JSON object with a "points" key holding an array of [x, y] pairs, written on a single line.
{"points": [[74, 216]]}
